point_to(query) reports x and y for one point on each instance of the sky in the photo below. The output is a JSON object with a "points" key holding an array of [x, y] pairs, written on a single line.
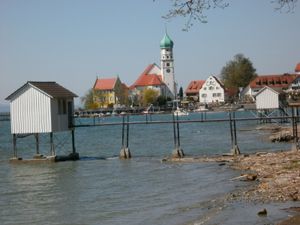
{"points": [[74, 41]]}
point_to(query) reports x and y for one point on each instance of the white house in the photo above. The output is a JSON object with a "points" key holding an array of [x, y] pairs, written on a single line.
{"points": [[212, 91], [267, 98]]}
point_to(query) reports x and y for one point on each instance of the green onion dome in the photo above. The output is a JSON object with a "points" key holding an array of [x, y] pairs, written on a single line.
{"points": [[166, 42]]}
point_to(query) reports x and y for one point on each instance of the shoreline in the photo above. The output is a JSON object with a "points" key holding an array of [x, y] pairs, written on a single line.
{"points": [[274, 178]]}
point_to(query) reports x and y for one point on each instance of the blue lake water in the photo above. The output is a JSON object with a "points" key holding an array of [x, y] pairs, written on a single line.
{"points": [[101, 189]]}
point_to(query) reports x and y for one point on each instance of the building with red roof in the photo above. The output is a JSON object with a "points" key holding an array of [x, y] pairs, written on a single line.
{"points": [[297, 68], [212, 91], [279, 83], [193, 89], [109, 92], [150, 78]]}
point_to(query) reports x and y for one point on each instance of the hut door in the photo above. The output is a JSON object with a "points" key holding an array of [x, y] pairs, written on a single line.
{"points": [[70, 114]]}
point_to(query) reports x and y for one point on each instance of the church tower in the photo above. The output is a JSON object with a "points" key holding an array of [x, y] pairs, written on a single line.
{"points": [[167, 65]]}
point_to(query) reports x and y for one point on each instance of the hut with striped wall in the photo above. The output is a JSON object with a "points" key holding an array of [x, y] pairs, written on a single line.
{"points": [[41, 107]]}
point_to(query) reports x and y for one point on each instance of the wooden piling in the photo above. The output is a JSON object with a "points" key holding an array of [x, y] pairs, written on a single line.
{"points": [[295, 144], [52, 150], [177, 152], [234, 146], [125, 151], [15, 146]]}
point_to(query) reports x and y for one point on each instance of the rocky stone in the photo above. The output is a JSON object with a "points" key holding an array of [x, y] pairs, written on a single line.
{"points": [[263, 212]]}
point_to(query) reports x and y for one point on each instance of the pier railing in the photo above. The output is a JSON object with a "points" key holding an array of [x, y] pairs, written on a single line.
{"points": [[176, 121], [4, 116]]}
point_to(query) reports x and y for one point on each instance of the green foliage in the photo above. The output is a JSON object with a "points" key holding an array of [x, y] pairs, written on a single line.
{"points": [[180, 93], [149, 96], [238, 72], [161, 100], [88, 100]]}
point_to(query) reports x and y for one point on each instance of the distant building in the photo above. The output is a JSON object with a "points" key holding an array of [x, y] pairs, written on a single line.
{"points": [[192, 90], [297, 68], [161, 79], [167, 66], [150, 78], [267, 98], [109, 92], [278, 83], [41, 107], [212, 91]]}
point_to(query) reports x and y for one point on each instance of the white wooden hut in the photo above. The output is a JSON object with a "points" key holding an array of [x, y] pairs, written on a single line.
{"points": [[41, 107], [267, 98]]}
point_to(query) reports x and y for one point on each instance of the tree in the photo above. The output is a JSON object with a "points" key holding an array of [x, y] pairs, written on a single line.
{"points": [[180, 93], [88, 100], [161, 100], [149, 96], [238, 72], [194, 10]]}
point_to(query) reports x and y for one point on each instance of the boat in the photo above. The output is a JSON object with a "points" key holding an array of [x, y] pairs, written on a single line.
{"points": [[148, 110], [180, 112]]}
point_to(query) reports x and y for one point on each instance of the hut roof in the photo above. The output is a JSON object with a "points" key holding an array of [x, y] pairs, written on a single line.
{"points": [[51, 88]]}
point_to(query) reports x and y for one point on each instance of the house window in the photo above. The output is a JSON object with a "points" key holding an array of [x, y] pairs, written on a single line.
{"points": [[203, 95], [168, 70], [214, 95], [168, 64], [218, 94], [211, 88], [204, 88], [217, 88]]}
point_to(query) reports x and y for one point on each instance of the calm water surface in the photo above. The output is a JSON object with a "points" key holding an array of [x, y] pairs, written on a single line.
{"points": [[101, 189]]}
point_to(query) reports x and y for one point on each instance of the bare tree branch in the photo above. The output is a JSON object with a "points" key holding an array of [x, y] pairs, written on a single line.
{"points": [[194, 10]]}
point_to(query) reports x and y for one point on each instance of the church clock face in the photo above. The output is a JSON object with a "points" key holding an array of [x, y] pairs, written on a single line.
{"points": [[168, 70]]}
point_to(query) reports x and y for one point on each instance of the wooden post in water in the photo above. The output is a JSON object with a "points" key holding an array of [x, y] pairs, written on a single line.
{"points": [[295, 145], [125, 151], [74, 155], [37, 147], [52, 151], [177, 152], [15, 146], [234, 146]]}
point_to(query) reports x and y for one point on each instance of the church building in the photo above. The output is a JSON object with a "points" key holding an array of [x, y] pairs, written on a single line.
{"points": [[161, 79]]}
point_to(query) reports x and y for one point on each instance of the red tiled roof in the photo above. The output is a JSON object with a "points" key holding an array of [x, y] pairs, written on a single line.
{"points": [[194, 86], [105, 84], [146, 79], [297, 69], [273, 81]]}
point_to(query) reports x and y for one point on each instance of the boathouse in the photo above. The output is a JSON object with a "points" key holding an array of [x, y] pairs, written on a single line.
{"points": [[41, 107], [267, 98]]}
